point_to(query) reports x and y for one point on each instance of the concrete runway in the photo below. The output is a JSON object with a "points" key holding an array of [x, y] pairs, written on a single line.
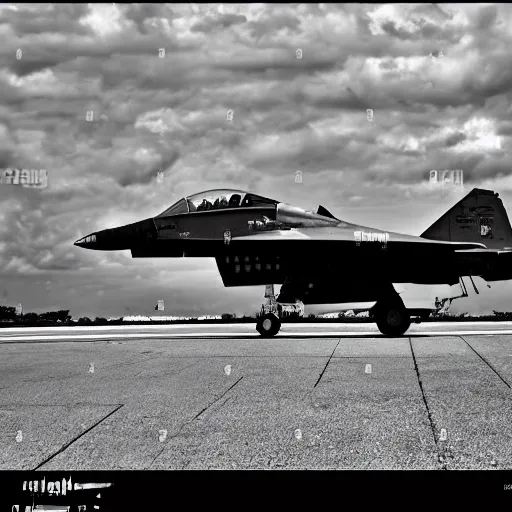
{"points": [[318, 396]]}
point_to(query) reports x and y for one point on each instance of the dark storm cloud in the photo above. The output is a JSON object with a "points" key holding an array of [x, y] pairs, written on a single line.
{"points": [[486, 168], [259, 63], [273, 22], [7, 158], [454, 139], [427, 21], [210, 24], [79, 44], [132, 175], [345, 98], [448, 111], [505, 128], [487, 16], [62, 19], [139, 13], [390, 29]]}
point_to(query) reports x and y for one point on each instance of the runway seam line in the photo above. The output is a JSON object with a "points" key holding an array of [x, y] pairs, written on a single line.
{"points": [[66, 446], [73, 405], [430, 419], [326, 364], [194, 418], [217, 399], [35, 342], [486, 362], [131, 363]]}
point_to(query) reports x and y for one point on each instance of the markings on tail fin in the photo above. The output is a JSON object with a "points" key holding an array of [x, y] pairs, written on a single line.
{"points": [[478, 217], [481, 210]]}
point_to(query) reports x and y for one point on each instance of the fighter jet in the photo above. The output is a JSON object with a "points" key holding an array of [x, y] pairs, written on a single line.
{"points": [[319, 259]]}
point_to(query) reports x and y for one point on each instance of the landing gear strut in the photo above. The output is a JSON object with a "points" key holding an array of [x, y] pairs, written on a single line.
{"points": [[268, 322], [391, 316]]}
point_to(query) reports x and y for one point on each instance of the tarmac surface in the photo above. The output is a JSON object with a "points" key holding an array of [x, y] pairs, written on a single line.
{"points": [[317, 396]]}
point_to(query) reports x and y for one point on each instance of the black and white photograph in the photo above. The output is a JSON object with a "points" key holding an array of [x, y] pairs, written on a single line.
{"points": [[247, 236]]}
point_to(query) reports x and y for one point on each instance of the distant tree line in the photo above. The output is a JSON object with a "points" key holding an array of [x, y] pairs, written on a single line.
{"points": [[8, 314], [8, 318]]}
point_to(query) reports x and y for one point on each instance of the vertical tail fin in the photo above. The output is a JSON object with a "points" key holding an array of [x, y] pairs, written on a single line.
{"points": [[478, 217]]}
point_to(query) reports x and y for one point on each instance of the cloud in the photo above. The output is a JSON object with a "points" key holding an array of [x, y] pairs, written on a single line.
{"points": [[436, 77], [210, 24]]}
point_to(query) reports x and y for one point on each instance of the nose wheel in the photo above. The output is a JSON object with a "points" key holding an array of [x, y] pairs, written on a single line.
{"points": [[268, 325]]}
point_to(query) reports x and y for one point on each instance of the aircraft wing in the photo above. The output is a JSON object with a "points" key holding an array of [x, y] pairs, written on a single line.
{"points": [[478, 252], [346, 234]]}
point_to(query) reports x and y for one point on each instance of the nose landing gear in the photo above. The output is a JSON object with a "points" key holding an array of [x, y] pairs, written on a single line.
{"points": [[268, 322]]}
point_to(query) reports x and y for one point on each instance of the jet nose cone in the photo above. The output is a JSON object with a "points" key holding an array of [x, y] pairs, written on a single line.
{"points": [[87, 241], [120, 238]]}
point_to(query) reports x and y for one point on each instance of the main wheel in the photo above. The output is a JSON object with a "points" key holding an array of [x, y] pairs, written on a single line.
{"points": [[392, 318], [268, 325]]}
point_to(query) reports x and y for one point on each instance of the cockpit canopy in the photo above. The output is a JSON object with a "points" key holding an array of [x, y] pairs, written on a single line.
{"points": [[217, 200]]}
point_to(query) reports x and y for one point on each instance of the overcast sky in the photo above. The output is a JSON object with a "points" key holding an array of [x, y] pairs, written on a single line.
{"points": [[432, 110]]}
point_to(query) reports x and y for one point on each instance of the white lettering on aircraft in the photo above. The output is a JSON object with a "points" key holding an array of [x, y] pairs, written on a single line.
{"points": [[363, 236]]}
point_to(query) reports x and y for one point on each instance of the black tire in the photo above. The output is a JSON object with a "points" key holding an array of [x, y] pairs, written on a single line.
{"points": [[268, 325], [392, 318]]}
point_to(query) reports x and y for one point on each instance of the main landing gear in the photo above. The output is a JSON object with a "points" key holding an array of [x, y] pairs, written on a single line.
{"points": [[268, 325], [391, 316]]}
